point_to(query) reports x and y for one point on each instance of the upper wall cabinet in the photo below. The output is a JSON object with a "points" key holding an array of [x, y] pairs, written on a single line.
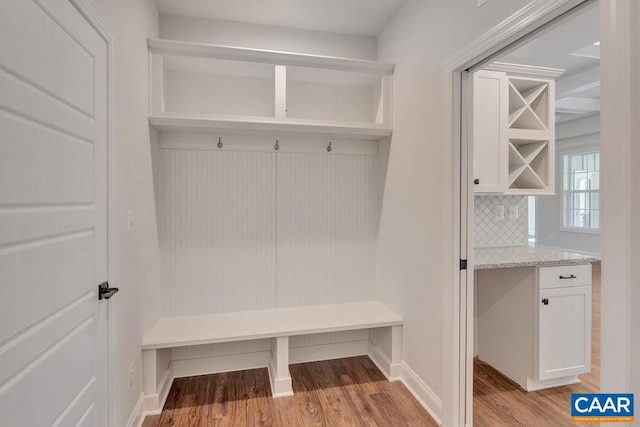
{"points": [[514, 132], [221, 89]]}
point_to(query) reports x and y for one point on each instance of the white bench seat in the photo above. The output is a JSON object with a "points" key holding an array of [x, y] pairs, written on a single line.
{"points": [[247, 325], [278, 325]]}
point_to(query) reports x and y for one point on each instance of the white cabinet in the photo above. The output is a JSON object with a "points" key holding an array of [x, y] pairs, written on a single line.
{"points": [[564, 321], [534, 323], [513, 134], [489, 131]]}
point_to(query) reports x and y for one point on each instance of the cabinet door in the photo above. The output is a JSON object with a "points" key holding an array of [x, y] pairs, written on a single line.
{"points": [[490, 149], [564, 332]]}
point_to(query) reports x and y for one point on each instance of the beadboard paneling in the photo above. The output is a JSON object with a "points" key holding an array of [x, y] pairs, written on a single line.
{"points": [[328, 338], [222, 349], [327, 217], [218, 231]]}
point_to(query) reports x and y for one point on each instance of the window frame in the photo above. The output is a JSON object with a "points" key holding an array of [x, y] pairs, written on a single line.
{"points": [[576, 150]]}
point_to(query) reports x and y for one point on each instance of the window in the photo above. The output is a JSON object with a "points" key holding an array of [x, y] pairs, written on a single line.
{"points": [[581, 195]]}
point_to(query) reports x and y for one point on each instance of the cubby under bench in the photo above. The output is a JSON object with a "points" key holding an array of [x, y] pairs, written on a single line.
{"points": [[384, 347]]}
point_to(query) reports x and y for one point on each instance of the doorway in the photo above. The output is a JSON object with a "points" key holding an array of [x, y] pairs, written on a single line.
{"points": [[484, 51], [534, 128]]}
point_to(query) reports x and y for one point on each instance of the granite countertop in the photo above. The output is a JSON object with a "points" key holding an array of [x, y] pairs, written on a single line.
{"points": [[525, 256]]}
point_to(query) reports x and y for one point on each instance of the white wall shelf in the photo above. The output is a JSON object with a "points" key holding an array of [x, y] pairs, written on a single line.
{"points": [[204, 88], [203, 50], [268, 126]]}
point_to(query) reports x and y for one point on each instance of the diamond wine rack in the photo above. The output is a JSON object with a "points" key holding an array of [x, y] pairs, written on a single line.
{"points": [[530, 134]]}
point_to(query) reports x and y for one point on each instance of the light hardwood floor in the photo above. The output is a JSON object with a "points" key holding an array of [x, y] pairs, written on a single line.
{"points": [[497, 401], [341, 392]]}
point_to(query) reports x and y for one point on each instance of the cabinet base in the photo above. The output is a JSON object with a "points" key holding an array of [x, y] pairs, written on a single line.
{"points": [[534, 385]]}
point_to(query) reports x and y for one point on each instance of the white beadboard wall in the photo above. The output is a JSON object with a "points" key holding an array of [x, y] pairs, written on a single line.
{"points": [[250, 230], [218, 232], [327, 220]]}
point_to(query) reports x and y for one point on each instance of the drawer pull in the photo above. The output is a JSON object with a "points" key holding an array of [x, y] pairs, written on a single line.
{"points": [[573, 276]]}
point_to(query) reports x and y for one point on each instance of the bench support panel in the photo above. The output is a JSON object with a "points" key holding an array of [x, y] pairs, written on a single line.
{"points": [[385, 349], [279, 368], [156, 378]]}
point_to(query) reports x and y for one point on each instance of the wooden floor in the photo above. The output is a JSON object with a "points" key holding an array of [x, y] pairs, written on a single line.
{"points": [[342, 392], [497, 401]]}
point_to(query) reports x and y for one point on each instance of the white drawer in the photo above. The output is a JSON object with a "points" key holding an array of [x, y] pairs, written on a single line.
{"points": [[564, 275]]}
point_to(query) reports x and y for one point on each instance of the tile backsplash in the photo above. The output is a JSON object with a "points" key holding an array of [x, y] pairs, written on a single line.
{"points": [[492, 232]]}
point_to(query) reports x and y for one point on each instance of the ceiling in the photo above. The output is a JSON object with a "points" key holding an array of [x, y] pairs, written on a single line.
{"points": [[560, 46], [359, 17], [570, 46]]}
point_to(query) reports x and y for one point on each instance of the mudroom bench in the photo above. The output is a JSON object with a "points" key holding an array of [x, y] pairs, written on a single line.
{"points": [[385, 340]]}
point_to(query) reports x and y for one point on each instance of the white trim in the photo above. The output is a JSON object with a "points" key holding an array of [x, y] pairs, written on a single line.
{"points": [[579, 230], [578, 142], [525, 70], [172, 47], [393, 371], [578, 82], [584, 148], [522, 23], [423, 394], [534, 385], [620, 47], [98, 21], [137, 415]]}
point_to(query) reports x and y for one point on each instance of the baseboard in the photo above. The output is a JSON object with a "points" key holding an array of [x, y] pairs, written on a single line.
{"points": [[319, 352], [423, 394], [137, 415], [534, 385], [393, 371]]}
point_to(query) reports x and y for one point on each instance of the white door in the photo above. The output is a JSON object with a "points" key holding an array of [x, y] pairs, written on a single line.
{"points": [[52, 216]]}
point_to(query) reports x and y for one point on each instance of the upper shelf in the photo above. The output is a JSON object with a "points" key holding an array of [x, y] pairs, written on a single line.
{"points": [[269, 126], [196, 87], [172, 47]]}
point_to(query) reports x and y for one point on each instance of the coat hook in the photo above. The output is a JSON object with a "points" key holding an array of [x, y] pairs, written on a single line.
{"points": [[277, 146], [220, 142], [329, 147]]}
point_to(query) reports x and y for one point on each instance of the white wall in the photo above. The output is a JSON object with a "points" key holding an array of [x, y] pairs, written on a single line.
{"points": [[134, 259], [409, 264], [257, 36], [549, 216]]}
